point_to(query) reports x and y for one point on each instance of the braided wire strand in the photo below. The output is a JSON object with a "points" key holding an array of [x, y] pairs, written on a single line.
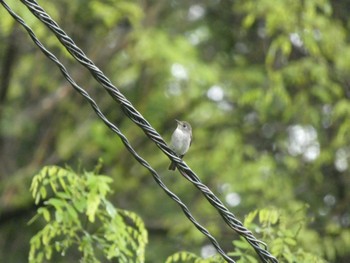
{"points": [[119, 133], [137, 118]]}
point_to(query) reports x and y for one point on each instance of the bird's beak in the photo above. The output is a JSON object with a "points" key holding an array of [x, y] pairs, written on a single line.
{"points": [[178, 122]]}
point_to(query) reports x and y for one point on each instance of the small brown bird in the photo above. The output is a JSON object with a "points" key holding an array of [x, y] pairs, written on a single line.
{"points": [[180, 140]]}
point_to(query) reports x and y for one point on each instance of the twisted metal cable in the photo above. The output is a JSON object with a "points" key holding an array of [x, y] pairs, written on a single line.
{"points": [[119, 133], [136, 117]]}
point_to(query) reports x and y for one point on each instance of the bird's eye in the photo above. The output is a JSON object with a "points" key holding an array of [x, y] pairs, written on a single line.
{"points": [[184, 125]]}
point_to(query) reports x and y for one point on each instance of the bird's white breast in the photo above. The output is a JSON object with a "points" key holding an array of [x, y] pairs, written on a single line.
{"points": [[180, 141]]}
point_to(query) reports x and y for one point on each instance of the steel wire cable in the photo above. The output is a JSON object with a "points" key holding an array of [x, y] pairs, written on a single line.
{"points": [[120, 134], [259, 246]]}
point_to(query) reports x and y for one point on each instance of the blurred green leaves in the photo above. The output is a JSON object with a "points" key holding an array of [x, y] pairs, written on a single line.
{"points": [[264, 84]]}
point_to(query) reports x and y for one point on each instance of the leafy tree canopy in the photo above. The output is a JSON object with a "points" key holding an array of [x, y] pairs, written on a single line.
{"points": [[264, 85]]}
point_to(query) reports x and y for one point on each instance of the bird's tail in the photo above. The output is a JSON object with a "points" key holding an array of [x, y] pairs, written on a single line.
{"points": [[172, 166]]}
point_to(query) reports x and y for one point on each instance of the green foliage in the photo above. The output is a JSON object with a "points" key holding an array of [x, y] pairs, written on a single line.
{"points": [[286, 235], [78, 215], [265, 85], [188, 257], [113, 12], [288, 238]]}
